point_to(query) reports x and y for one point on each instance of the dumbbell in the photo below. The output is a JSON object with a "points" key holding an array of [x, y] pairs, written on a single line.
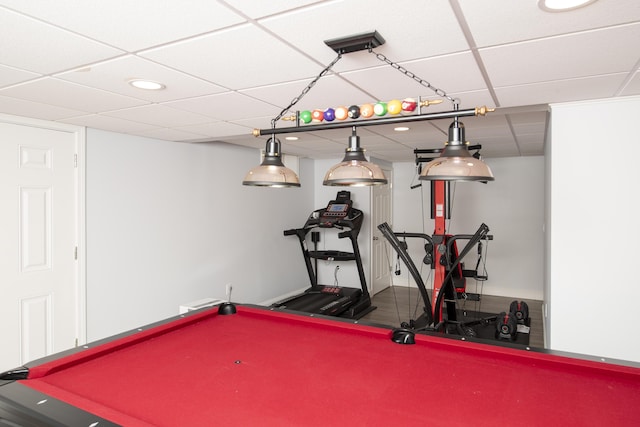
{"points": [[506, 326], [520, 310]]}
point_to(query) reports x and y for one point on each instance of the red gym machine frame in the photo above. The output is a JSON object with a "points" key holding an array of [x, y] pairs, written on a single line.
{"points": [[440, 212]]}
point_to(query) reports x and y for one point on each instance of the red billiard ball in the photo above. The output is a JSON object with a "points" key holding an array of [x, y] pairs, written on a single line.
{"points": [[409, 105], [317, 115]]}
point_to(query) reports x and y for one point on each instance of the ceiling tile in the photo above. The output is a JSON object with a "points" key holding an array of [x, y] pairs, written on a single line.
{"points": [[169, 134], [114, 76], [36, 110], [402, 23], [132, 25], [527, 118], [160, 115], [500, 148], [10, 76], [50, 49], [562, 57], [531, 141], [560, 91], [70, 95], [217, 130], [387, 83], [255, 10], [113, 124], [226, 106], [259, 59], [495, 22], [633, 86]]}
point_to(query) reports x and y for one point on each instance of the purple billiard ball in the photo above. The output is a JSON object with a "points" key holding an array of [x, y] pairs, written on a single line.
{"points": [[329, 114]]}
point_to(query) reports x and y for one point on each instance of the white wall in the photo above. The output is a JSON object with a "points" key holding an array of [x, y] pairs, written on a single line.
{"points": [[169, 223], [513, 208], [594, 228]]}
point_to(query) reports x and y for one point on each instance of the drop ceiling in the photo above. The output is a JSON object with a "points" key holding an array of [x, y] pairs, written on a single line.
{"points": [[231, 66]]}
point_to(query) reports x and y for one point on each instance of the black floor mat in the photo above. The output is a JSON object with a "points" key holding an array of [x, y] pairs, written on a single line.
{"points": [[486, 329]]}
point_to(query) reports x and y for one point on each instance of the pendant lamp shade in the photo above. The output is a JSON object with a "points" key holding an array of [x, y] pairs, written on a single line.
{"points": [[354, 170], [272, 172], [455, 162]]}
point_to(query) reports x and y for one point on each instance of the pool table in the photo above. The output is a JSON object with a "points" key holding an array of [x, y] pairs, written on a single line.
{"points": [[270, 367]]}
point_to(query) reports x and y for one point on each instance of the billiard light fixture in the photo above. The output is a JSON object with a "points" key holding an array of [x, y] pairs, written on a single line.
{"points": [[272, 172], [454, 164], [354, 170]]}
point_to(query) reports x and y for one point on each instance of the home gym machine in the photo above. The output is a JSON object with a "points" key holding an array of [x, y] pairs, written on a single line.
{"points": [[353, 303], [449, 278], [436, 317], [446, 318]]}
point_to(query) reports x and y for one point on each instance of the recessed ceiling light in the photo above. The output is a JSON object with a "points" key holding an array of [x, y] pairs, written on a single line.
{"points": [[291, 138], [146, 84], [401, 128], [562, 5]]}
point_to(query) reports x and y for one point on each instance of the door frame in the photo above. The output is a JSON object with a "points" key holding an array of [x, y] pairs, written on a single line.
{"points": [[80, 138], [388, 171]]}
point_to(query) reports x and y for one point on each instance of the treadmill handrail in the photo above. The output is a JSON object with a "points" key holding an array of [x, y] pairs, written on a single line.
{"points": [[352, 226]]}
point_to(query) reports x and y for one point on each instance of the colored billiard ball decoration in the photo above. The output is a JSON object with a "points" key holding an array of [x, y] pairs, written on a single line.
{"points": [[380, 109], [394, 107], [342, 113], [317, 115], [409, 105], [305, 116], [366, 110], [354, 112], [329, 114]]}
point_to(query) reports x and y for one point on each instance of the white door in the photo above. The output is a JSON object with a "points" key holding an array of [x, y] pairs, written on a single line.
{"points": [[42, 310], [381, 212]]}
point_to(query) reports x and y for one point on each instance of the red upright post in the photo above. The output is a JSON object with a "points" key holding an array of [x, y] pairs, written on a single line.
{"points": [[440, 213]]}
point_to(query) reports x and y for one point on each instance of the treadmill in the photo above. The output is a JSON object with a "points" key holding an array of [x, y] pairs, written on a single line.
{"points": [[348, 302]]}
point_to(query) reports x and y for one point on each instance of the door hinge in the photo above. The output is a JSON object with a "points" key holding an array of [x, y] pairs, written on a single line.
{"points": [[76, 342], [75, 160], [75, 253]]}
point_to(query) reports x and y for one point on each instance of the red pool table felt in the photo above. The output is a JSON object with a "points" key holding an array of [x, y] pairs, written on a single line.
{"points": [[272, 368]]}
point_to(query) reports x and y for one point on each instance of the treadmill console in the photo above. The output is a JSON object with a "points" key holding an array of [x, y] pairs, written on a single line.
{"points": [[336, 210], [339, 212]]}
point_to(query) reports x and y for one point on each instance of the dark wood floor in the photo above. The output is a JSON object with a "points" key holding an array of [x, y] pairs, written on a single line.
{"points": [[400, 304]]}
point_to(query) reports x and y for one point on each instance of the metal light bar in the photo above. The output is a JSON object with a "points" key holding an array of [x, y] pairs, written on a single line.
{"points": [[478, 111]]}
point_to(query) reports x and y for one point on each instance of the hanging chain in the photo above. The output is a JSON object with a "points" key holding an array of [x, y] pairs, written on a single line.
{"points": [[409, 74], [295, 100], [382, 58]]}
